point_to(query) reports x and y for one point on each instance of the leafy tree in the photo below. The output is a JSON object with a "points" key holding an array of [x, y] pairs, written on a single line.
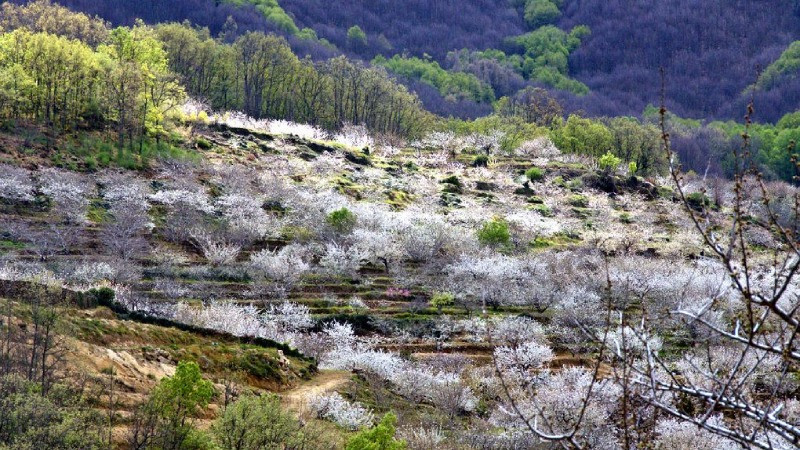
{"points": [[441, 300], [459, 85], [583, 136], [356, 36], [609, 162], [786, 65], [380, 437], [541, 12], [165, 421]]}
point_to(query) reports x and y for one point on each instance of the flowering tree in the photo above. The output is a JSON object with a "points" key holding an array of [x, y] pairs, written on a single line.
{"points": [[280, 269]]}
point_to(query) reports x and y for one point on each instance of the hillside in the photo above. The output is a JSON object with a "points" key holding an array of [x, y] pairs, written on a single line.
{"points": [[216, 242]]}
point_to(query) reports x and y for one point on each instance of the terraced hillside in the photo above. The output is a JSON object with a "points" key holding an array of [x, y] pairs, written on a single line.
{"points": [[390, 266]]}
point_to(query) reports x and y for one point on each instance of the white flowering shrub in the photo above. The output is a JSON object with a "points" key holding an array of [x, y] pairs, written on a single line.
{"points": [[556, 407], [301, 130], [283, 267], [192, 199], [195, 110], [341, 261], [541, 147], [337, 409], [122, 190], [675, 435], [376, 247], [226, 317], [354, 136], [15, 184], [216, 250], [288, 317], [68, 191], [425, 238], [523, 361], [246, 218], [92, 272], [237, 119], [492, 279]]}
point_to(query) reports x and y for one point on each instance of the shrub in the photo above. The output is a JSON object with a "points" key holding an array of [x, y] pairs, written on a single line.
{"points": [[495, 233], [345, 414], [534, 174], [341, 220], [380, 437], [441, 299], [698, 201], [452, 180], [632, 167], [203, 143], [578, 201], [609, 162], [480, 161], [544, 210], [253, 423]]}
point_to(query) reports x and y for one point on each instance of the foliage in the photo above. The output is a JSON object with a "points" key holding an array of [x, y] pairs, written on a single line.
{"points": [[534, 174], [442, 300], [494, 233], [583, 136], [165, 420], [341, 220], [459, 85], [546, 51], [33, 419], [608, 162], [356, 36], [273, 12], [541, 12], [381, 437], [259, 422]]}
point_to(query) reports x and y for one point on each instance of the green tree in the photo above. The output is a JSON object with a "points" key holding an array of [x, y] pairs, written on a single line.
{"points": [[380, 437], [254, 423], [541, 12], [609, 162], [165, 420], [583, 136], [441, 300], [356, 36]]}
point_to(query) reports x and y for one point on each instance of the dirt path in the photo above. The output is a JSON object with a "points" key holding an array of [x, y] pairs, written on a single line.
{"points": [[326, 381]]}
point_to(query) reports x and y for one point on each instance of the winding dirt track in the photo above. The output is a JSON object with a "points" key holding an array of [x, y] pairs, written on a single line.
{"points": [[326, 381]]}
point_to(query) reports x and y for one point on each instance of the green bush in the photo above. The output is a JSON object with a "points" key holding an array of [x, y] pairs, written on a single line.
{"points": [[632, 167], [541, 12], [253, 423], [544, 210], [698, 201], [578, 201], [609, 162], [440, 300], [203, 143], [480, 161], [534, 174], [165, 420], [494, 233], [380, 437], [342, 220], [452, 179]]}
